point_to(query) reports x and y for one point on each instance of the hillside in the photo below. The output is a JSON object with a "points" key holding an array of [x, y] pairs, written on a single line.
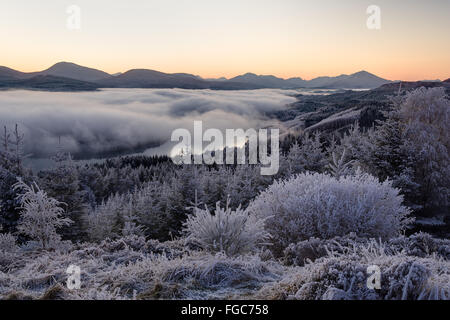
{"points": [[142, 78], [48, 83], [340, 110]]}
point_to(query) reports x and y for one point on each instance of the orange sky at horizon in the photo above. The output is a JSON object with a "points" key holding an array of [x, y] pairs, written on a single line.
{"points": [[211, 38]]}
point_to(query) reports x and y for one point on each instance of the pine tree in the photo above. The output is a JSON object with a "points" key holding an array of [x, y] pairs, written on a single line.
{"points": [[425, 114], [62, 183], [308, 155], [11, 168], [338, 167], [9, 213], [11, 153]]}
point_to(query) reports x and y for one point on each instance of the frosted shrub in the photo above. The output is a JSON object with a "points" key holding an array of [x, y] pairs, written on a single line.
{"points": [[318, 205], [227, 231], [40, 215], [343, 276]]}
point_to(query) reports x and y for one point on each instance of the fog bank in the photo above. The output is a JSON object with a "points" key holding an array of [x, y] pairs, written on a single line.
{"points": [[113, 121]]}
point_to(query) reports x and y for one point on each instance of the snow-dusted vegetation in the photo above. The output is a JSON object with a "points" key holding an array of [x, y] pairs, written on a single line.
{"points": [[144, 228], [318, 205], [226, 231]]}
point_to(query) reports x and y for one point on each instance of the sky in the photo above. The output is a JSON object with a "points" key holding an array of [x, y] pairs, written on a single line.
{"points": [[215, 38]]}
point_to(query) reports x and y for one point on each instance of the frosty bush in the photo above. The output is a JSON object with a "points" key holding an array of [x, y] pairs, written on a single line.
{"points": [[318, 205], [342, 275], [231, 232], [40, 216]]}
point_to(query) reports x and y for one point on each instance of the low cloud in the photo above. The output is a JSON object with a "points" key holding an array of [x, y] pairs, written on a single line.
{"points": [[124, 120]]}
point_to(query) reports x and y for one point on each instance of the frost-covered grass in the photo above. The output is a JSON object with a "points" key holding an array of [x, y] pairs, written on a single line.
{"points": [[342, 274], [132, 268], [415, 267]]}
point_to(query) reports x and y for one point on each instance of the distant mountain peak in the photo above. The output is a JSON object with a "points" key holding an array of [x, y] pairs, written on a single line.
{"points": [[74, 71], [362, 73], [65, 63]]}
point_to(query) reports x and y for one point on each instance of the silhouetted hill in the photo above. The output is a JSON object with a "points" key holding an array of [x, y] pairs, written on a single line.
{"points": [[48, 83], [144, 78], [266, 81], [359, 80], [10, 74], [74, 71]]}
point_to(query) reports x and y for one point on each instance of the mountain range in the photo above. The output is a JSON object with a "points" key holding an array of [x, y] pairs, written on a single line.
{"points": [[72, 77]]}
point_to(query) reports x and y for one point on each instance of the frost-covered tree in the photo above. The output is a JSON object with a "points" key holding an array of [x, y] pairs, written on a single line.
{"points": [[160, 209], [338, 166], [308, 155], [9, 215], [216, 184], [41, 215], [425, 114], [106, 220], [227, 231], [188, 180], [356, 145], [411, 147], [154, 210], [318, 205], [386, 155], [243, 184], [62, 183], [11, 152], [11, 168]]}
